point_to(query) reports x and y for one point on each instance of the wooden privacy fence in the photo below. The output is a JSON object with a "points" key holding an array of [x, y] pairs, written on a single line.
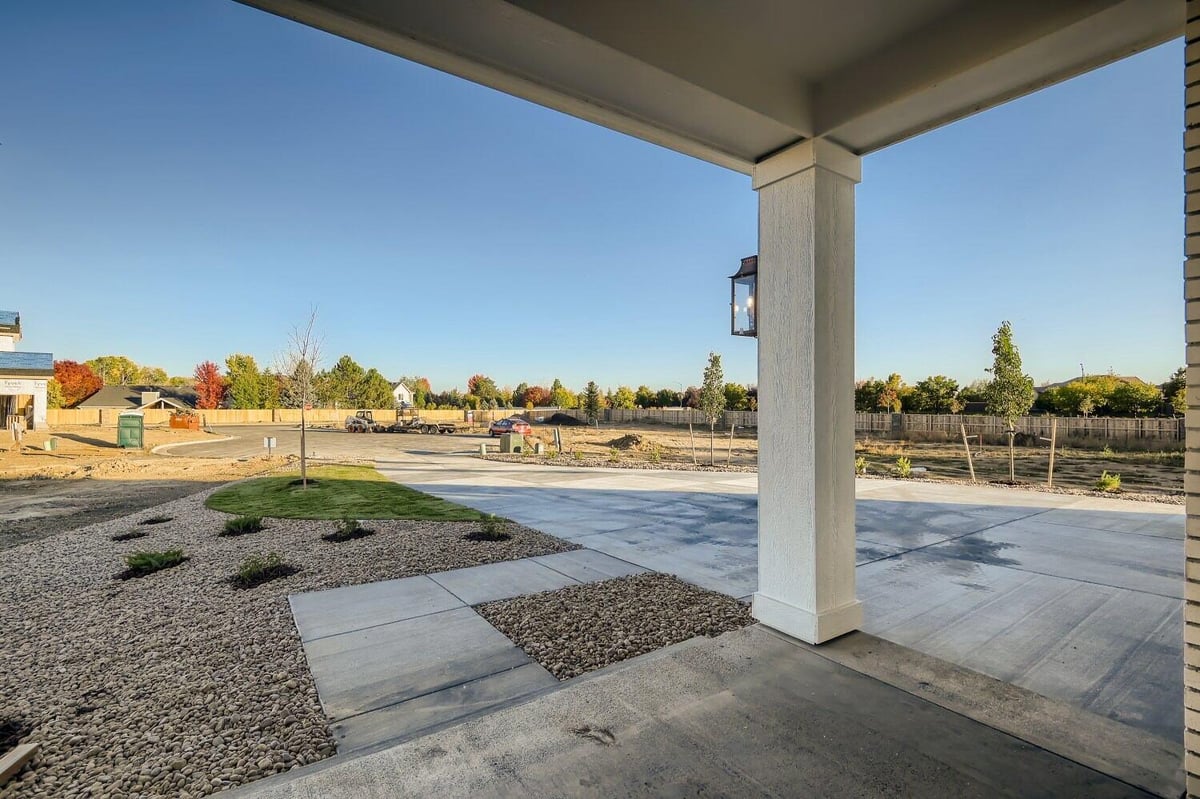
{"points": [[1106, 428]]}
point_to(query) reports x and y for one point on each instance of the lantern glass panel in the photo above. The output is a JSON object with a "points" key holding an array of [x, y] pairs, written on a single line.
{"points": [[744, 312]]}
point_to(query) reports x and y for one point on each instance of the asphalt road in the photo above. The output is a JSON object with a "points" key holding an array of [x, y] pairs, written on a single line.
{"points": [[328, 443]]}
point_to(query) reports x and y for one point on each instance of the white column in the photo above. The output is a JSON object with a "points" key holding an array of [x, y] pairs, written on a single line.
{"points": [[39, 405], [806, 391]]}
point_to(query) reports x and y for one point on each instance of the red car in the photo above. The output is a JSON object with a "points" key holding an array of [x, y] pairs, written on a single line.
{"points": [[514, 425]]}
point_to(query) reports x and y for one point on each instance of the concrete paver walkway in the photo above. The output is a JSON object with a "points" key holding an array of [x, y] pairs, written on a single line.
{"points": [[392, 659], [1078, 598]]}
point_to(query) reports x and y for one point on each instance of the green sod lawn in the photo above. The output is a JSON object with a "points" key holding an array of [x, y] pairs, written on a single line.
{"points": [[339, 492]]}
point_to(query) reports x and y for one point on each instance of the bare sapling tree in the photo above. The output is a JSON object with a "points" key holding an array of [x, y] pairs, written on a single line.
{"points": [[298, 367], [712, 399], [1010, 394]]}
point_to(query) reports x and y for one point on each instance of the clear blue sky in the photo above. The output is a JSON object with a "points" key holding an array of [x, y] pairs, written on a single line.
{"points": [[182, 180]]}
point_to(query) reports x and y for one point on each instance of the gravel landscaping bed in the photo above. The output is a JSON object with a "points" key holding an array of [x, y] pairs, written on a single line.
{"points": [[177, 683], [586, 627], [1042, 488]]}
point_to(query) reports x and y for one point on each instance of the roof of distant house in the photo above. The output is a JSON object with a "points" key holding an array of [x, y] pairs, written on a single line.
{"points": [[1061, 383], [27, 364], [128, 397]]}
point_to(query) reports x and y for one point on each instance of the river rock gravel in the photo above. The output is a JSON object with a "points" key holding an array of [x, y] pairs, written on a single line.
{"points": [[177, 684], [585, 627]]}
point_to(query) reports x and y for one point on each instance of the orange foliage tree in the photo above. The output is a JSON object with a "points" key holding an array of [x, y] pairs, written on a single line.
{"points": [[210, 386]]}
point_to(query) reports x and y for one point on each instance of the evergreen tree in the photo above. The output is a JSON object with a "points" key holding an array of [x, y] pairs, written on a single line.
{"points": [[591, 401], [246, 383]]}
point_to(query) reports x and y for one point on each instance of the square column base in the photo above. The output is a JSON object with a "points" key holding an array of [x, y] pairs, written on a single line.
{"points": [[813, 628]]}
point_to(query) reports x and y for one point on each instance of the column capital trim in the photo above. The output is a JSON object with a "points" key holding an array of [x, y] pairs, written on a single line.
{"points": [[804, 156]]}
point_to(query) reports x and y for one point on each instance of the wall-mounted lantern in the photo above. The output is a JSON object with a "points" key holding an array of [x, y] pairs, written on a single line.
{"points": [[743, 298]]}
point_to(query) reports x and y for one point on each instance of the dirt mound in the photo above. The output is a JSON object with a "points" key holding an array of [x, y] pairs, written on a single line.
{"points": [[629, 441], [563, 420]]}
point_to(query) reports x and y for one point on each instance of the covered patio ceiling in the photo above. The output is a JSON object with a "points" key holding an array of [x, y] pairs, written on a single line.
{"points": [[734, 82]]}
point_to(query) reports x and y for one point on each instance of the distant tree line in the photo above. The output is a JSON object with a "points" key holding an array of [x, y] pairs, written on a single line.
{"points": [[1093, 395]]}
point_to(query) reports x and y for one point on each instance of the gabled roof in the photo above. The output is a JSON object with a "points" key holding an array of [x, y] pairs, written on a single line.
{"points": [[27, 364], [127, 397]]}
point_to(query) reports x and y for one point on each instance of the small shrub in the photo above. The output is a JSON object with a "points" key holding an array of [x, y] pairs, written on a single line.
{"points": [[614, 455], [655, 454], [1107, 451], [860, 465], [139, 564], [577, 455], [903, 467], [156, 520], [1110, 483], [348, 530], [258, 569], [243, 525], [132, 534], [551, 454], [491, 528]]}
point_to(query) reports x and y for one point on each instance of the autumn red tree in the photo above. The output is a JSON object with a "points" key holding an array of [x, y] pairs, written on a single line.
{"points": [[77, 380], [210, 386], [537, 395]]}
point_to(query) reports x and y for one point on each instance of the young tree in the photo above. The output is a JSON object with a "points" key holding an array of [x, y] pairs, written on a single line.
{"points": [[77, 381], [297, 366], [591, 402], [210, 386], [712, 399], [246, 383], [1010, 395]]}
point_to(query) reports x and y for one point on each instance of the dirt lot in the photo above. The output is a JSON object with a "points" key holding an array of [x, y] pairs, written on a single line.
{"points": [[89, 479], [1141, 471]]}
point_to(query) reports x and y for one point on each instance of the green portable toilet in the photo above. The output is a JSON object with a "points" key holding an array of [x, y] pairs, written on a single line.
{"points": [[131, 429]]}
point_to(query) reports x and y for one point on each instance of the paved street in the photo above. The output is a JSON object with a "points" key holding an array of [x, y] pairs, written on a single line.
{"points": [[1076, 598]]}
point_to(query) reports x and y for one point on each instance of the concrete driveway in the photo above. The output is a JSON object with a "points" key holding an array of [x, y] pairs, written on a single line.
{"points": [[1075, 598]]}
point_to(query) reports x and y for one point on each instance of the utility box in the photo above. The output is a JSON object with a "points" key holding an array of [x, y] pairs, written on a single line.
{"points": [[131, 430], [512, 442]]}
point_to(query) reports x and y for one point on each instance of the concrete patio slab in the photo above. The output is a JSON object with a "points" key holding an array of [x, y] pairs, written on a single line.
{"points": [[667, 724], [322, 613], [503, 580], [368, 669]]}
